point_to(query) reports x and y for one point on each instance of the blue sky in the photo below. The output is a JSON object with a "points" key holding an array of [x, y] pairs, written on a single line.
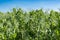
{"points": [[7, 5]]}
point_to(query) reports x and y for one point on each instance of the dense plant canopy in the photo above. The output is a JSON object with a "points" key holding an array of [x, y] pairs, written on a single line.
{"points": [[32, 25]]}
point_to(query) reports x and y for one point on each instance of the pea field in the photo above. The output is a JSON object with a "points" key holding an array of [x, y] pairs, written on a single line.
{"points": [[30, 25]]}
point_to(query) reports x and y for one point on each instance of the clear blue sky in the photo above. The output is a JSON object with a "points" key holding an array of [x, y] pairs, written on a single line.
{"points": [[6, 5]]}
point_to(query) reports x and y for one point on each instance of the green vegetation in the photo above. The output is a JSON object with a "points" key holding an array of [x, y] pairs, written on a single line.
{"points": [[32, 25]]}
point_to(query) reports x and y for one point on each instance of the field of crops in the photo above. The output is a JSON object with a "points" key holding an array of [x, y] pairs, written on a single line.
{"points": [[32, 25]]}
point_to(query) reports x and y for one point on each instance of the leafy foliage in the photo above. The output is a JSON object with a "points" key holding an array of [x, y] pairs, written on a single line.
{"points": [[33, 25]]}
